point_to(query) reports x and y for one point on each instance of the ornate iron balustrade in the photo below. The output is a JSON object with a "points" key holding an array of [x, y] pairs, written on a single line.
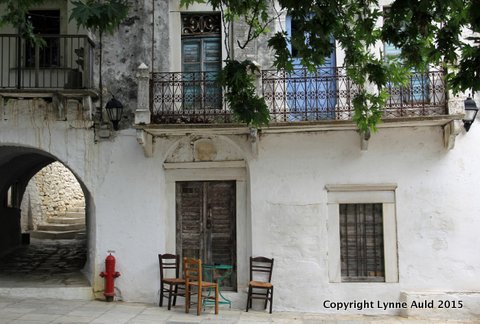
{"points": [[300, 95], [328, 93], [65, 61], [187, 98], [425, 95]]}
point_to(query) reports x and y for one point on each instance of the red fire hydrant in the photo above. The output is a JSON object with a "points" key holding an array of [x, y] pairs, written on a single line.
{"points": [[109, 275]]}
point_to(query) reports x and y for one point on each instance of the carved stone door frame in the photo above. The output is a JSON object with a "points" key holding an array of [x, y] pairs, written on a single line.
{"points": [[213, 171]]}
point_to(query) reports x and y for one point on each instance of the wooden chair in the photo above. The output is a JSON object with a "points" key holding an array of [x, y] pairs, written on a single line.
{"points": [[261, 288], [173, 285], [193, 279]]}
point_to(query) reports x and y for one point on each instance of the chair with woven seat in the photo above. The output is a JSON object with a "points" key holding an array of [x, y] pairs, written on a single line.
{"points": [[192, 269], [171, 285], [260, 286]]}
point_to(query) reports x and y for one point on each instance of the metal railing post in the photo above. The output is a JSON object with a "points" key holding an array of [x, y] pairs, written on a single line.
{"points": [[37, 64], [19, 62]]}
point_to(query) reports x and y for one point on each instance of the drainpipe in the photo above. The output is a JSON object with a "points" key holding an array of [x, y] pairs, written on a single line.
{"points": [[153, 36]]}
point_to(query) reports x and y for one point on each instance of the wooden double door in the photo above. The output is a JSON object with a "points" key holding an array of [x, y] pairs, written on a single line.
{"points": [[206, 223]]}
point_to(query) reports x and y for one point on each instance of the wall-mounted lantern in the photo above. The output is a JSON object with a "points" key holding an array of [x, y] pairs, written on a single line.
{"points": [[114, 110], [471, 111]]}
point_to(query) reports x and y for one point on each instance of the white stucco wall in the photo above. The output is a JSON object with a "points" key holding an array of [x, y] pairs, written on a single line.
{"points": [[436, 217], [285, 205], [281, 199], [436, 251]]}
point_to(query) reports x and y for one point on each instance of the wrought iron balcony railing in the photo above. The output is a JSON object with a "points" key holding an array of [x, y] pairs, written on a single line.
{"points": [[64, 61], [425, 95], [326, 94], [187, 98]]}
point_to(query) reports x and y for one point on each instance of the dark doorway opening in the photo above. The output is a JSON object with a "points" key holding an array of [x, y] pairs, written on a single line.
{"points": [[47, 23]]}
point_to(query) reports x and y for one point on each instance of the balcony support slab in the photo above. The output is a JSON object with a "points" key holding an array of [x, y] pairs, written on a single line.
{"points": [[146, 140], [450, 132]]}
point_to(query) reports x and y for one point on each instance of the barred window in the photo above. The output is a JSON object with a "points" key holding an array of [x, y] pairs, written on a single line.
{"points": [[362, 242]]}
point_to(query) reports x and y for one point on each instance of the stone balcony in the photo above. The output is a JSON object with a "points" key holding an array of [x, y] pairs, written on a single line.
{"points": [[186, 103]]}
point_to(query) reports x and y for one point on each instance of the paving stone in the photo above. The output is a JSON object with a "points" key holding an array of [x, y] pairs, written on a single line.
{"points": [[45, 262]]}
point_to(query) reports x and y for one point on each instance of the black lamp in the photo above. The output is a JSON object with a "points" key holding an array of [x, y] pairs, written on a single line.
{"points": [[471, 111], [114, 110]]}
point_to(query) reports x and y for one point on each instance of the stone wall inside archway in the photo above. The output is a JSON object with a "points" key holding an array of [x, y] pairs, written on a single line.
{"points": [[50, 193]]}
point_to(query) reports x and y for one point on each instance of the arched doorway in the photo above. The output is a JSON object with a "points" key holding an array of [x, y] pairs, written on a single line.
{"points": [[49, 261]]}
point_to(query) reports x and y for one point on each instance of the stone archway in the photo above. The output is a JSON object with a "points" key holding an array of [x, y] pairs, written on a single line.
{"points": [[18, 165]]}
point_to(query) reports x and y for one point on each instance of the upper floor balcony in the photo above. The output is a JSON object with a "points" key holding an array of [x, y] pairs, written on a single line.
{"points": [[62, 62], [297, 96]]}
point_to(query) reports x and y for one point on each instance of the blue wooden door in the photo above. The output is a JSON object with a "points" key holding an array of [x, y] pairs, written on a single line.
{"points": [[418, 90], [310, 95], [201, 64]]}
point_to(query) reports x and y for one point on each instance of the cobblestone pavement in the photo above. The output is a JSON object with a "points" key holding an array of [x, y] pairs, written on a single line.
{"points": [[44, 262]]}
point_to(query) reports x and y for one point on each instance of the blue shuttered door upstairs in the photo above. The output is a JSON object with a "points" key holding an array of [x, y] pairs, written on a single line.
{"points": [[418, 91], [311, 95], [201, 61]]}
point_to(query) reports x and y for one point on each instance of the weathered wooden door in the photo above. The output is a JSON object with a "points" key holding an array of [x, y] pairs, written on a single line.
{"points": [[205, 214]]}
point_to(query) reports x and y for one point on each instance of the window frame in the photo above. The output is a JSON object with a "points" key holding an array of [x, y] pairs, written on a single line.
{"points": [[362, 194], [200, 90]]}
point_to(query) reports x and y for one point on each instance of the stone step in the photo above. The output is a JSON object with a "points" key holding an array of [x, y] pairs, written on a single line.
{"points": [[72, 214], [29, 290], [60, 227], [56, 235], [80, 209], [81, 236], [66, 220]]}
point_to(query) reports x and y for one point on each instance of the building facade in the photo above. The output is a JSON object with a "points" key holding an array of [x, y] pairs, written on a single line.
{"points": [[347, 219]]}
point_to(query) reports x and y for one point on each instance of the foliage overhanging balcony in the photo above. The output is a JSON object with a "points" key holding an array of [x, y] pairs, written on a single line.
{"points": [[63, 62], [298, 96]]}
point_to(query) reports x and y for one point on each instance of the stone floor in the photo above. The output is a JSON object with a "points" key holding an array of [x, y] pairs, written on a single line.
{"points": [[40, 311], [57, 264], [44, 262]]}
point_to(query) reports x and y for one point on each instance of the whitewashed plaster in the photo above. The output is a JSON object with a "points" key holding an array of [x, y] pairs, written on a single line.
{"points": [[283, 200], [287, 199], [281, 196]]}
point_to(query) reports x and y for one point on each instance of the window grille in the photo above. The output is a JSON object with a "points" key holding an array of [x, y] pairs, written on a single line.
{"points": [[203, 24], [361, 242]]}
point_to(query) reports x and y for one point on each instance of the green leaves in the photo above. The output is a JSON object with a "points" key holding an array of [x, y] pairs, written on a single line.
{"points": [[238, 78], [15, 14], [430, 33], [467, 76], [368, 110], [283, 57], [100, 16]]}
